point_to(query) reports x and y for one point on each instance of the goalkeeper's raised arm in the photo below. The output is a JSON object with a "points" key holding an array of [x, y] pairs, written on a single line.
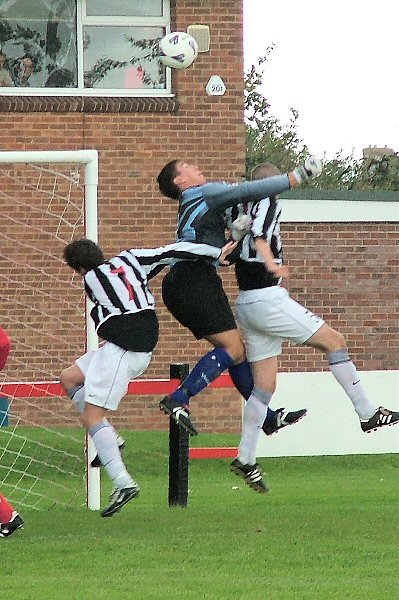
{"points": [[178, 176]]}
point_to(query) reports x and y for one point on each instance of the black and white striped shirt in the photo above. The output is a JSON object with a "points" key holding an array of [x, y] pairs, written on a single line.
{"points": [[250, 269], [119, 286]]}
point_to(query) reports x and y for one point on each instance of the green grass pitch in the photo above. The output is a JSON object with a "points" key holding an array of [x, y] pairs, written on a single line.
{"points": [[327, 530]]}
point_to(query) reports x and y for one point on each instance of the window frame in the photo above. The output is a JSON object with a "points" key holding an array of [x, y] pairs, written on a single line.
{"points": [[81, 21]]}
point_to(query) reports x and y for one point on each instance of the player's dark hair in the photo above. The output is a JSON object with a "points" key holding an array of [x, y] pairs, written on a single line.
{"points": [[166, 178], [263, 170], [83, 254]]}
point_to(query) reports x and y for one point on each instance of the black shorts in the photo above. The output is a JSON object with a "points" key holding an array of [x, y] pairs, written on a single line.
{"points": [[192, 291], [136, 332]]}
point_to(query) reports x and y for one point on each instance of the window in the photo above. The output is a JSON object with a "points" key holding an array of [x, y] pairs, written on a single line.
{"points": [[90, 47]]}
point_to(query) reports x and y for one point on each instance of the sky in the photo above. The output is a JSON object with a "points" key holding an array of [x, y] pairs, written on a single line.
{"points": [[337, 63]]}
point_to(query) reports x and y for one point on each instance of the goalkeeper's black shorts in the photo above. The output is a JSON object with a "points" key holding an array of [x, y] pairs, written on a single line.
{"points": [[193, 292]]}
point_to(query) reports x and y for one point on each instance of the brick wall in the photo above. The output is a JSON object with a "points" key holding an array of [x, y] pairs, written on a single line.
{"points": [[336, 269]]}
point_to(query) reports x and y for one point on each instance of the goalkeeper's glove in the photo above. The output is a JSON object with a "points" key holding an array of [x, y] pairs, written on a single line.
{"points": [[312, 167], [240, 227]]}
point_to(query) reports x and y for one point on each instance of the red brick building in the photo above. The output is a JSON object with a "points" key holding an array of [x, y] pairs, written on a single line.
{"points": [[136, 132]]}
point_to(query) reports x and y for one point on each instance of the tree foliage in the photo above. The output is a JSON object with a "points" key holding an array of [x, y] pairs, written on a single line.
{"points": [[267, 139]]}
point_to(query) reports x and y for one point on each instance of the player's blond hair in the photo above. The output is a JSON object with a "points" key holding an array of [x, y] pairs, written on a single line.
{"points": [[263, 170]]}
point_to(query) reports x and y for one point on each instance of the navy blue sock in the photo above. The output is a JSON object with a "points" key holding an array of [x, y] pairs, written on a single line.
{"points": [[269, 415], [207, 369], [241, 375]]}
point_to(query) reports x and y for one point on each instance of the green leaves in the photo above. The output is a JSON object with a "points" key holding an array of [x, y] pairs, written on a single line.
{"points": [[268, 139]]}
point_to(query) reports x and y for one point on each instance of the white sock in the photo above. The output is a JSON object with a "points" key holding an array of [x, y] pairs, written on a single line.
{"points": [[254, 415], [106, 444], [119, 438], [78, 398], [347, 376]]}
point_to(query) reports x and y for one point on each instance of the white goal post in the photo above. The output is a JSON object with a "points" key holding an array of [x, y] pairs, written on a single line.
{"points": [[48, 160]]}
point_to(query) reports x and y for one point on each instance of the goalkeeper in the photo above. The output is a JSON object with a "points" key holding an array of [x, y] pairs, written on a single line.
{"points": [[193, 292]]}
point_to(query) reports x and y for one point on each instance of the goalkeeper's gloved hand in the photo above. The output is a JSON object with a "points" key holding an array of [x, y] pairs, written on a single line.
{"points": [[312, 167], [240, 227]]}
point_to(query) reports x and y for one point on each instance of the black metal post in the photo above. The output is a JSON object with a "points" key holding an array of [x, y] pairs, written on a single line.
{"points": [[178, 450]]}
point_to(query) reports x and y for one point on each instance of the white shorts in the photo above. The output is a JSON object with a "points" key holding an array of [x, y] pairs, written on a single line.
{"points": [[108, 371], [268, 316]]}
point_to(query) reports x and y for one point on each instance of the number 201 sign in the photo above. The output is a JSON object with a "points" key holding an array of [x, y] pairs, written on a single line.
{"points": [[215, 86]]}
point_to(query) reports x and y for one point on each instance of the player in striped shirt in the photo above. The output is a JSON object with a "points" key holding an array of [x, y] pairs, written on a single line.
{"points": [[193, 292], [125, 319], [267, 315]]}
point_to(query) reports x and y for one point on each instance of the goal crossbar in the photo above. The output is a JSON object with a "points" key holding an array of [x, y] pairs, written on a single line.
{"points": [[86, 157]]}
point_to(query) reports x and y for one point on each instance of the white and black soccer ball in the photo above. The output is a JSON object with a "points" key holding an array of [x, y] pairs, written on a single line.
{"points": [[178, 50]]}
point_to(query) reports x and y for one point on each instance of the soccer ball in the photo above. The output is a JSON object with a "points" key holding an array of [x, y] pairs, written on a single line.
{"points": [[178, 50]]}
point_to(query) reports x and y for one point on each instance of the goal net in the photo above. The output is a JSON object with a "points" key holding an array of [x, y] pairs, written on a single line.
{"points": [[47, 199]]}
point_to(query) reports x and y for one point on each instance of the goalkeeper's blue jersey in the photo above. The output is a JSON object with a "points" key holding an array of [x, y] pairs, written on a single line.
{"points": [[197, 222], [201, 209]]}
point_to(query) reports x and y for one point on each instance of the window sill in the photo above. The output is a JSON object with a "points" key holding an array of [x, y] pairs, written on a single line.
{"points": [[88, 104]]}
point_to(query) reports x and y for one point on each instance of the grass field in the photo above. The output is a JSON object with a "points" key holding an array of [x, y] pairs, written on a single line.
{"points": [[328, 529]]}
